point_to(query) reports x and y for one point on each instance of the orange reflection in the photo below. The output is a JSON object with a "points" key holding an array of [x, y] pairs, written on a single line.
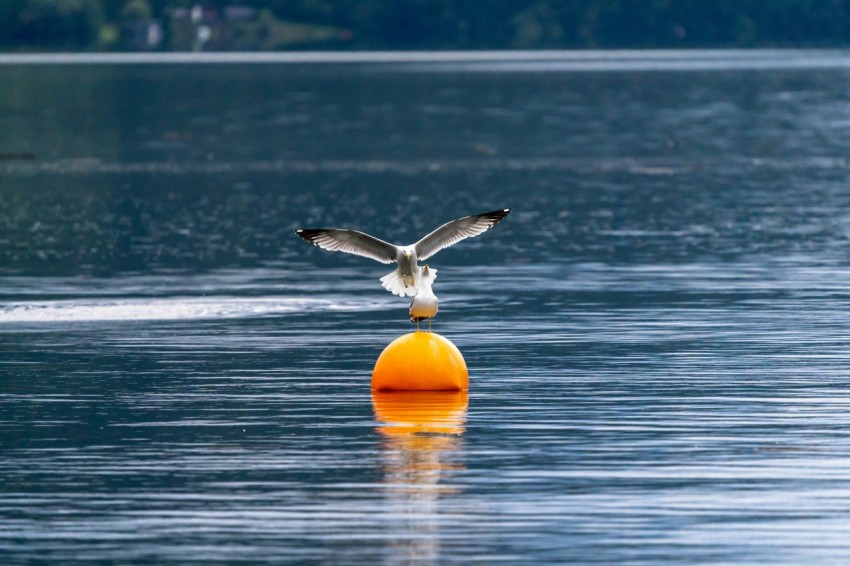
{"points": [[417, 412], [422, 433]]}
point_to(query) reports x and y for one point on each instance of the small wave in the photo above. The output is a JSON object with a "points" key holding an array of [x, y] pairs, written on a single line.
{"points": [[480, 61], [173, 308], [577, 164]]}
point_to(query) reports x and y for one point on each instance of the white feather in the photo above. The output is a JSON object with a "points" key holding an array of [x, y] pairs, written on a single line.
{"points": [[394, 283]]}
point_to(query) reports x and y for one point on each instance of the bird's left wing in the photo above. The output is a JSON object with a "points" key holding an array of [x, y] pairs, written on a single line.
{"points": [[350, 241], [453, 232]]}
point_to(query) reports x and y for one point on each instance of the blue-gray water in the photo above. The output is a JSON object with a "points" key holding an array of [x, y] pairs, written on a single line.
{"points": [[657, 336]]}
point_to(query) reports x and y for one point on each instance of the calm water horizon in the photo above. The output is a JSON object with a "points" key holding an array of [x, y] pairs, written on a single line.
{"points": [[656, 336]]}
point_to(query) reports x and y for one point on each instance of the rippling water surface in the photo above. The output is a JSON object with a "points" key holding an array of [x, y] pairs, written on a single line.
{"points": [[656, 336]]}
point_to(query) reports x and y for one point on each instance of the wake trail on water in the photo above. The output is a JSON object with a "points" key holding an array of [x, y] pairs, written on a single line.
{"points": [[172, 308]]}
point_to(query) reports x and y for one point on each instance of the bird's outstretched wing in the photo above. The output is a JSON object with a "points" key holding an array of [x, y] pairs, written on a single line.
{"points": [[453, 232], [350, 241]]}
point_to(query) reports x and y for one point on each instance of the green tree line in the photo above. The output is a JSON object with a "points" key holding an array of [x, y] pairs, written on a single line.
{"points": [[444, 24]]}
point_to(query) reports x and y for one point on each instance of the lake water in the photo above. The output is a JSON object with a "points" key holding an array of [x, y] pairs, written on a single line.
{"points": [[657, 336]]}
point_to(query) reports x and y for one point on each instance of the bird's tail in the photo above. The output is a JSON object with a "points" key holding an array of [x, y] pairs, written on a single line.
{"points": [[394, 283]]}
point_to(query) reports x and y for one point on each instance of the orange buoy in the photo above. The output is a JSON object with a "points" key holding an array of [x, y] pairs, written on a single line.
{"points": [[420, 361]]}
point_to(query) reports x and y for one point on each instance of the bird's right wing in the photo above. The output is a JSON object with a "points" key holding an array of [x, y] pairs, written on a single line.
{"points": [[350, 241], [453, 232]]}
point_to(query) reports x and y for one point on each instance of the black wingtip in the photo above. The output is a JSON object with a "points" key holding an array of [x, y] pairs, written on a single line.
{"points": [[496, 215], [308, 234]]}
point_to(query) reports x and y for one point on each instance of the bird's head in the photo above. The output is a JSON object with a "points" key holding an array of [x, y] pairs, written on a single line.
{"points": [[407, 254]]}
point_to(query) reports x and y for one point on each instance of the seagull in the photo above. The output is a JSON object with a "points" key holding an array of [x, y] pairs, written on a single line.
{"points": [[424, 304], [402, 281]]}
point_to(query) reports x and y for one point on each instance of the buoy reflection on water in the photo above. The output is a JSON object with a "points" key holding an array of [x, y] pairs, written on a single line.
{"points": [[421, 449], [422, 433]]}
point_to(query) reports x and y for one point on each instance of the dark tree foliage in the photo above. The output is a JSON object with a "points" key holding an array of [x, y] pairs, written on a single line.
{"points": [[465, 24]]}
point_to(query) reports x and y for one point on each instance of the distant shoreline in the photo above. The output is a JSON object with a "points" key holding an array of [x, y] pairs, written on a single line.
{"points": [[575, 60]]}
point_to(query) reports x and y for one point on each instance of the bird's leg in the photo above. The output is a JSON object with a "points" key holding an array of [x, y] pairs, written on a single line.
{"points": [[417, 325], [429, 325]]}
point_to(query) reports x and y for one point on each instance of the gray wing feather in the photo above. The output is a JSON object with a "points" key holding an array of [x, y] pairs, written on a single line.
{"points": [[350, 241], [453, 232]]}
